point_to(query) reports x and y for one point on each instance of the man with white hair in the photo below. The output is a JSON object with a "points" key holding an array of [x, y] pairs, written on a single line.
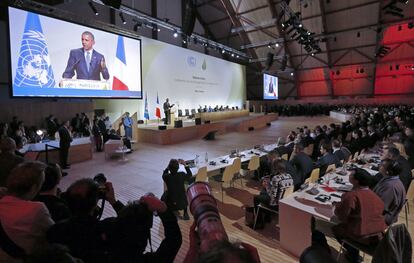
{"points": [[8, 159]]}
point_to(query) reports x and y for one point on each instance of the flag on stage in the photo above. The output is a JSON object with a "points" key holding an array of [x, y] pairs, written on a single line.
{"points": [[120, 72], [158, 110], [34, 69], [146, 114]]}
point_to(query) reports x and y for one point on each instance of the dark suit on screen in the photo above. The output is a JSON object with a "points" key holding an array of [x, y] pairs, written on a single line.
{"points": [[77, 64]]}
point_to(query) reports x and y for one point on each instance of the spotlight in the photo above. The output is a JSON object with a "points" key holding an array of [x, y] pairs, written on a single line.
{"points": [[232, 54], [237, 56], [223, 51], [269, 46], [137, 25], [121, 15], [175, 34], [291, 73], [184, 41], [277, 45], [300, 25], [313, 54], [159, 29], [93, 8]]}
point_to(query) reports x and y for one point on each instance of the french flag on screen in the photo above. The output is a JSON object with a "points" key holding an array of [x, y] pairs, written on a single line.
{"points": [[120, 73]]}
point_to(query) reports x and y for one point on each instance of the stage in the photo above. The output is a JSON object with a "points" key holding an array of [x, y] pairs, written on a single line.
{"points": [[150, 133]]}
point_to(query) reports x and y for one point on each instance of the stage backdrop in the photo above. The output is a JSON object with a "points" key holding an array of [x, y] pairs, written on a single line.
{"points": [[188, 78]]}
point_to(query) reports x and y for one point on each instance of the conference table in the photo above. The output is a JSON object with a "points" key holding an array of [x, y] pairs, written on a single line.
{"points": [[296, 211], [214, 165], [80, 150], [221, 115]]}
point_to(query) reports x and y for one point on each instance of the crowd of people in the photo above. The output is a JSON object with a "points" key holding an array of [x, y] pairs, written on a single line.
{"points": [[375, 201], [40, 222]]}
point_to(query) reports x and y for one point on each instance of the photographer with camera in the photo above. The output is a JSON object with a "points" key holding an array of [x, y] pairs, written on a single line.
{"points": [[115, 239], [174, 196], [210, 242]]}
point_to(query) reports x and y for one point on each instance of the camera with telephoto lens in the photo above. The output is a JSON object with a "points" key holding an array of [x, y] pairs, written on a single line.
{"points": [[100, 179], [203, 206]]}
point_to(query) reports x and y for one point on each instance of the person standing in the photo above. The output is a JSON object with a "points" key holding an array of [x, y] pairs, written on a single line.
{"points": [[167, 111], [64, 144], [127, 121]]}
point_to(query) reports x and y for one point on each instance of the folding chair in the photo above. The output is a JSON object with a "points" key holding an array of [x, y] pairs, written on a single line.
{"points": [[314, 176], [202, 174]]}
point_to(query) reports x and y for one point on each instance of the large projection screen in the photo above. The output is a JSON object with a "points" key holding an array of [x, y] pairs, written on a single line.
{"points": [[270, 87], [54, 58]]}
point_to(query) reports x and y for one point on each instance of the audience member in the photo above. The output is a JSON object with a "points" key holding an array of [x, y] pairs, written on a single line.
{"points": [[23, 221], [273, 187], [391, 190], [302, 163], [49, 194], [8, 159], [405, 175], [64, 144], [326, 159], [115, 239]]}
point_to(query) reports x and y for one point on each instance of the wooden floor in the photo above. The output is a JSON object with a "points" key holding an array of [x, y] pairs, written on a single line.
{"points": [[141, 173]]}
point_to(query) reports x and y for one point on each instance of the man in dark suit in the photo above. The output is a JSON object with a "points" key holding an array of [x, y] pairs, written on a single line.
{"points": [[302, 163], [8, 159], [326, 159], [336, 150], [86, 62], [167, 110], [405, 175], [64, 144]]}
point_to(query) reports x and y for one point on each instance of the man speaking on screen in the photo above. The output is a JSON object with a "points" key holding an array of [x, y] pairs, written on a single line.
{"points": [[86, 62]]}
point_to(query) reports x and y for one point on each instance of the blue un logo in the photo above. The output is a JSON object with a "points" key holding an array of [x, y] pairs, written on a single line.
{"points": [[34, 68]]}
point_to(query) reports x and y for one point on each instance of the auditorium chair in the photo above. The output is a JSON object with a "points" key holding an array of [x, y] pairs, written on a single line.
{"points": [[193, 113], [314, 176], [187, 112], [202, 175], [180, 113], [227, 177], [236, 170]]}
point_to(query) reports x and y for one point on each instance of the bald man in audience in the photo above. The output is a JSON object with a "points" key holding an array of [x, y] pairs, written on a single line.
{"points": [[8, 159]]}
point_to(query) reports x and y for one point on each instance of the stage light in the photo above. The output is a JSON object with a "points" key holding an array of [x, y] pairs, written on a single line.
{"points": [[39, 132], [291, 73], [121, 15], [223, 51], [269, 46], [237, 56], [93, 8], [137, 25], [184, 42], [175, 34], [300, 25], [159, 29], [313, 54], [277, 45]]}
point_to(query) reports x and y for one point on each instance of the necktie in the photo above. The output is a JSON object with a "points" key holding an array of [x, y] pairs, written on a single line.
{"points": [[88, 60]]}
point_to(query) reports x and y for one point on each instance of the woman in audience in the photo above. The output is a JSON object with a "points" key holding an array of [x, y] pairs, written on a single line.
{"points": [[273, 187]]}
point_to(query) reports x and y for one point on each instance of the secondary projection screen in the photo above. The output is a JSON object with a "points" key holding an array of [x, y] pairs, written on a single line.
{"points": [[270, 87], [189, 79], [55, 58]]}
